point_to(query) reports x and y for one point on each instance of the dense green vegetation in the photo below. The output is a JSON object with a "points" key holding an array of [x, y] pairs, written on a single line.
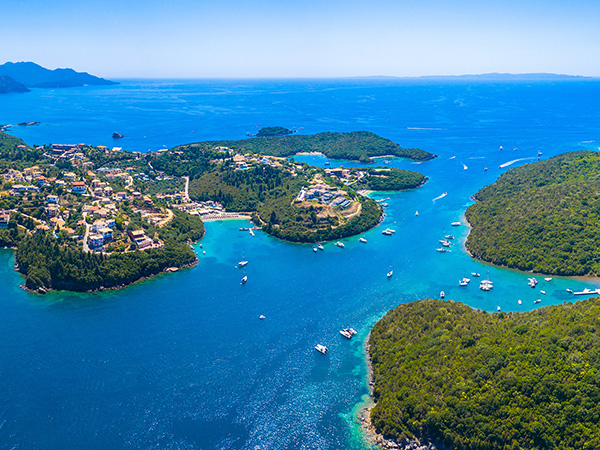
{"points": [[273, 131], [479, 381], [355, 146], [242, 190], [56, 263], [542, 217], [389, 179], [13, 157], [50, 264]]}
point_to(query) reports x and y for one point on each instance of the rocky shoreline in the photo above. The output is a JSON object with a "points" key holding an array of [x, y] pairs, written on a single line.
{"points": [[22, 124], [372, 436]]}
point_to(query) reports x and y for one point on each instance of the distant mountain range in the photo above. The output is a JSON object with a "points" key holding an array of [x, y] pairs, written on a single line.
{"points": [[491, 77], [32, 75], [511, 76]]}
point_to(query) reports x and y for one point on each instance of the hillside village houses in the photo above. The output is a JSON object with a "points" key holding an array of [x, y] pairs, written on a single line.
{"points": [[4, 218], [98, 201]]}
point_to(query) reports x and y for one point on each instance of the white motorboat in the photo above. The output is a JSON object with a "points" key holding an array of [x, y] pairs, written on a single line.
{"points": [[475, 274], [387, 232], [244, 279], [537, 301], [348, 333], [315, 249], [416, 213], [548, 278], [442, 250], [570, 291], [442, 294], [261, 317], [520, 302], [498, 309], [587, 291], [543, 292], [320, 247], [449, 236], [363, 240], [242, 263], [456, 224], [251, 231], [340, 244], [462, 283], [321, 349], [390, 273]]}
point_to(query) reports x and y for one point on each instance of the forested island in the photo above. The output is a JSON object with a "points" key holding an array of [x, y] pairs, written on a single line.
{"points": [[86, 218], [471, 380], [541, 217], [273, 131]]}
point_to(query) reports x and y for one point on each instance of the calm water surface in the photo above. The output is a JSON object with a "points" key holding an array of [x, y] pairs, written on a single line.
{"points": [[182, 361]]}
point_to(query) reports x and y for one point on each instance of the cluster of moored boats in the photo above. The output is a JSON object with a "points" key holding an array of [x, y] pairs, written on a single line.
{"points": [[446, 243], [388, 232], [348, 333], [488, 285], [339, 244]]}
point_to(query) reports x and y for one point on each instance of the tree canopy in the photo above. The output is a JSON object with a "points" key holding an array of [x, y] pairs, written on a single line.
{"points": [[479, 381], [355, 146], [542, 217]]}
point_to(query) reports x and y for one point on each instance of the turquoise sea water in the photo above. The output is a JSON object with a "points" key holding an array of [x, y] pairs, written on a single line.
{"points": [[182, 361]]}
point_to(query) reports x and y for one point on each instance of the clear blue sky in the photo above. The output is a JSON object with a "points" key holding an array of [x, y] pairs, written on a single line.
{"points": [[308, 38]]}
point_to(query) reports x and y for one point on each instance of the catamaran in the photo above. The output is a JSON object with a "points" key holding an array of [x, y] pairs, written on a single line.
{"points": [[321, 349]]}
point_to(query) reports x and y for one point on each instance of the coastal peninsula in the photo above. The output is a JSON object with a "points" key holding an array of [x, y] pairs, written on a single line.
{"points": [[358, 146], [541, 217], [8, 85], [469, 380], [291, 201], [87, 218]]}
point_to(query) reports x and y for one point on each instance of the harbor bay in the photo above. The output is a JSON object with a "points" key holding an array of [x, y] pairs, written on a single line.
{"points": [[183, 360]]}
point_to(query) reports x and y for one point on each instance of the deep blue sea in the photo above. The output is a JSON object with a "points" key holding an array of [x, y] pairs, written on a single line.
{"points": [[182, 361]]}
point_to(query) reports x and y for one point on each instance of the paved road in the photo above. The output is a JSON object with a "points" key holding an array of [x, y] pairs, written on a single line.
{"points": [[187, 189], [86, 248]]}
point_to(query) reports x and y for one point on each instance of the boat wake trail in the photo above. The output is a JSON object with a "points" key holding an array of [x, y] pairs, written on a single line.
{"points": [[506, 164], [441, 196]]}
